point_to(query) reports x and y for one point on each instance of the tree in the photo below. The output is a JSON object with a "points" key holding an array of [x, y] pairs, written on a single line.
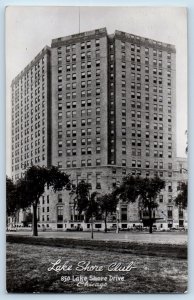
{"points": [[148, 190], [12, 204], [181, 199], [107, 204], [127, 191], [84, 202], [32, 186]]}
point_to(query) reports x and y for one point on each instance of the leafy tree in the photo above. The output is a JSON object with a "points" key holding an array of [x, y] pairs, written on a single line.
{"points": [[84, 202], [31, 187], [107, 204], [148, 190], [12, 200], [127, 191], [181, 199]]}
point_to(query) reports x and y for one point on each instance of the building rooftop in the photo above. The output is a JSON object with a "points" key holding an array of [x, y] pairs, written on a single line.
{"points": [[46, 49]]}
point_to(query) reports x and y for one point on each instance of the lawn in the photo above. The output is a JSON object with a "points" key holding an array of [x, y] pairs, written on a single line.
{"points": [[27, 271]]}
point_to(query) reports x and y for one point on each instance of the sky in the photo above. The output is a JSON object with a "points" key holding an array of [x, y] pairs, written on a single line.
{"points": [[29, 29]]}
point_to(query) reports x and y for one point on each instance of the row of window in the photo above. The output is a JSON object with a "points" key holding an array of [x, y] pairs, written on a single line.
{"points": [[27, 144], [73, 152], [138, 78], [147, 51], [156, 165], [84, 162], [35, 69], [84, 66], [83, 45], [156, 126], [134, 164], [155, 135], [73, 104], [147, 143], [27, 148], [138, 152], [33, 100], [73, 77], [73, 142]]}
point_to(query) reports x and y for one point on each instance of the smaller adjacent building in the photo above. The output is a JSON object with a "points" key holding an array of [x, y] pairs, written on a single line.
{"points": [[57, 210]]}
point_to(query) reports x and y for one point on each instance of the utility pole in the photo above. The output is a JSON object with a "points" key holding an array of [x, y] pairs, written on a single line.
{"points": [[117, 216], [92, 221]]}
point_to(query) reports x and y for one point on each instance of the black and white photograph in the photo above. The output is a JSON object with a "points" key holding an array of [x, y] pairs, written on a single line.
{"points": [[96, 149]]}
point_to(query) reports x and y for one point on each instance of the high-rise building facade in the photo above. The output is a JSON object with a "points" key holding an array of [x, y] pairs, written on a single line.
{"points": [[113, 102], [111, 107], [31, 115]]}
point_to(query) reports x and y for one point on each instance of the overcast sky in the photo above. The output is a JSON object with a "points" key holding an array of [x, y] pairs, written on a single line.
{"points": [[29, 29]]}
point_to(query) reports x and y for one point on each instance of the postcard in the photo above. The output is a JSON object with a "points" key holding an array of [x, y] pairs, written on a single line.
{"points": [[96, 144]]}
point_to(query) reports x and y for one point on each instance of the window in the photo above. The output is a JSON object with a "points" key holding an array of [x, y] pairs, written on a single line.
{"points": [[133, 163], [89, 162], [97, 43], [83, 151], [89, 150], [89, 121], [97, 130], [161, 198], [123, 131], [83, 103], [68, 114], [98, 120], [60, 213], [98, 162], [123, 150], [68, 143], [89, 131], [68, 152], [97, 63], [83, 141], [74, 123], [98, 149], [60, 134], [83, 132], [146, 51], [83, 122], [83, 163], [133, 142], [59, 143], [147, 152], [123, 162], [74, 164], [60, 153], [98, 140], [169, 154], [169, 212], [74, 142], [98, 111]]}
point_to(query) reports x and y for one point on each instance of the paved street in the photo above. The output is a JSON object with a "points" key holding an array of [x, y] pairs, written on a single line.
{"points": [[143, 237]]}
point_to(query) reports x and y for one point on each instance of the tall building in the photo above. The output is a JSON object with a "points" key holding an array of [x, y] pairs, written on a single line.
{"points": [[31, 115], [110, 110]]}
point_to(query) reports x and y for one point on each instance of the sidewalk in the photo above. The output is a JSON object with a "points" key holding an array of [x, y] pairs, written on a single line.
{"points": [[178, 238]]}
